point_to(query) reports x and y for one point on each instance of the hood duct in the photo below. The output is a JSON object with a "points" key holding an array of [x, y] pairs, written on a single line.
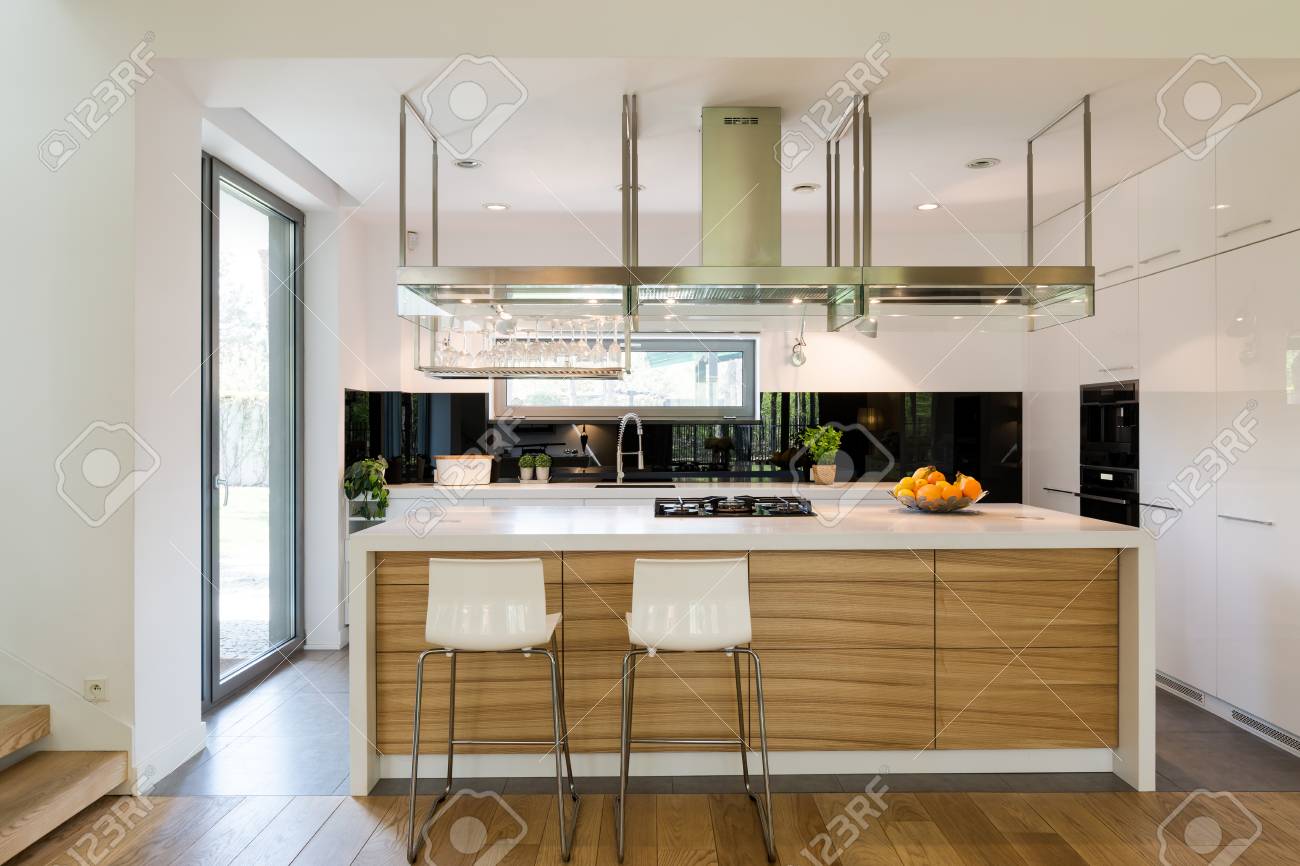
{"points": [[741, 272]]}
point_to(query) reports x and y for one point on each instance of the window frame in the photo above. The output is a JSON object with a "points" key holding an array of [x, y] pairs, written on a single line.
{"points": [[746, 344]]}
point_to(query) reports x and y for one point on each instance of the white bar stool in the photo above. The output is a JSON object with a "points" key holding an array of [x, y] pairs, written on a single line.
{"points": [[693, 605], [491, 606]]}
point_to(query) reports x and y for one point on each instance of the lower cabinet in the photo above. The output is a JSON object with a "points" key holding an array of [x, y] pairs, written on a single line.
{"points": [[1045, 698]]}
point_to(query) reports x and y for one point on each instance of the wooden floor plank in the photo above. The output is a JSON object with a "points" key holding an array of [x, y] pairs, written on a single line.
{"points": [[738, 836], [55, 847], [799, 826], [387, 844], [972, 835], [225, 839], [345, 832], [1089, 835], [921, 843], [682, 824], [458, 833], [873, 846], [1233, 819], [1027, 831], [173, 825], [288, 832]]}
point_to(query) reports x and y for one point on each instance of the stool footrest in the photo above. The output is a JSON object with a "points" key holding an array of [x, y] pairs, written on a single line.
{"points": [[687, 741], [505, 742]]}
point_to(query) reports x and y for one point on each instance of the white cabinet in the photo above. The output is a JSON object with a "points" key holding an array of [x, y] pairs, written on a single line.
{"points": [[1175, 213], [1258, 181], [1115, 233], [1051, 420], [1258, 375], [1177, 338], [1108, 340], [1059, 240]]}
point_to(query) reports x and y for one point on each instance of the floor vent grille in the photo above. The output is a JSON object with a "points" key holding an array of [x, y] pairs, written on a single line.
{"points": [[1267, 730], [1185, 691]]}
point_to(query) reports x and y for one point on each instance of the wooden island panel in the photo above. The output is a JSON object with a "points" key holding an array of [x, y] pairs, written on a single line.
{"points": [[1017, 613]]}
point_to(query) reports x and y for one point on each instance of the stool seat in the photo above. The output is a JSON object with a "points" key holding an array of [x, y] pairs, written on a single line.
{"points": [[690, 605], [488, 605]]}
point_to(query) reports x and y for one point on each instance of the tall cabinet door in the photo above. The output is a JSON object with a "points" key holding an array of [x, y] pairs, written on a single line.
{"points": [[1258, 336], [1178, 422], [1051, 420], [1258, 187]]}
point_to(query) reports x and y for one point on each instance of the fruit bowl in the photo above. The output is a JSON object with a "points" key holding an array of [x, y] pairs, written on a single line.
{"points": [[940, 506]]}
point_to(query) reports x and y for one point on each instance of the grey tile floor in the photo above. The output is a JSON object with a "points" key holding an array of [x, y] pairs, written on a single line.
{"points": [[289, 735]]}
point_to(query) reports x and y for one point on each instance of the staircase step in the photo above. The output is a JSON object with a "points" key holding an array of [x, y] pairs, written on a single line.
{"points": [[44, 790], [21, 725]]}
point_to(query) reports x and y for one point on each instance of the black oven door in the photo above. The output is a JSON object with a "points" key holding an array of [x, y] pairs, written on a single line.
{"points": [[1108, 494]]}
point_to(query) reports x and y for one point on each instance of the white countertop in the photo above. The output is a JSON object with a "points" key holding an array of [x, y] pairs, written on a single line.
{"points": [[850, 523], [589, 490]]}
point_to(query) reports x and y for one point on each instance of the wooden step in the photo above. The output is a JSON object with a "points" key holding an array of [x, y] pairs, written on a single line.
{"points": [[46, 789], [21, 725]]}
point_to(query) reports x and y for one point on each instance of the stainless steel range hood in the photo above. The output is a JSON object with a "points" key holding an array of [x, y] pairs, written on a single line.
{"points": [[741, 207]]}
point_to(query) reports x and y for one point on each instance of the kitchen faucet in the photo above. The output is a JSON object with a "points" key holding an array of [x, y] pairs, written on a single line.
{"points": [[618, 449]]}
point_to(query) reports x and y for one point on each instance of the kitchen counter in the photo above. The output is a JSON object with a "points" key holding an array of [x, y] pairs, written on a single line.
{"points": [[588, 490], [1004, 638]]}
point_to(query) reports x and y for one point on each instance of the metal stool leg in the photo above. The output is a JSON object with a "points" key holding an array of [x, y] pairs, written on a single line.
{"points": [[740, 718], [764, 806], [414, 829], [567, 827], [625, 748]]}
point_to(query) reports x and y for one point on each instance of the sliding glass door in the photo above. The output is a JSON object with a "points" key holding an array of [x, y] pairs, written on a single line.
{"points": [[252, 550]]}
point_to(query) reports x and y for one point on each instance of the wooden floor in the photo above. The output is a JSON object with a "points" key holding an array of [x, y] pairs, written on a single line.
{"points": [[1110, 829]]}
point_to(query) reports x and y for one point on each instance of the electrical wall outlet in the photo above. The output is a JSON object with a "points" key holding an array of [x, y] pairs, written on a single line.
{"points": [[95, 691]]}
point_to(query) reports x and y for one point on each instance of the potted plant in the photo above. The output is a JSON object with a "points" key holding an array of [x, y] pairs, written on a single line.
{"points": [[363, 483], [542, 462], [526, 465], [823, 443]]}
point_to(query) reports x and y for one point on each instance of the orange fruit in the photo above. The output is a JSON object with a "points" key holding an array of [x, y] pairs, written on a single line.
{"points": [[970, 487], [951, 491], [908, 483], [936, 477], [905, 496], [930, 493]]}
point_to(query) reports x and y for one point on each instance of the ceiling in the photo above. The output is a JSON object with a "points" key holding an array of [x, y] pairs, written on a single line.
{"points": [[560, 151]]}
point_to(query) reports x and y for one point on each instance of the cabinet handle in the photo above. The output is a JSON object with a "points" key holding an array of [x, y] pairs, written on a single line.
{"points": [[1230, 232], [1115, 270], [1161, 507], [1111, 499], [1148, 261], [1121, 367], [1246, 520], [1059, 490]]}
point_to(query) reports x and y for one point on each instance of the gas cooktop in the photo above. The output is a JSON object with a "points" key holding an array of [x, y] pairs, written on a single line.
{"points": [[739, 506]]}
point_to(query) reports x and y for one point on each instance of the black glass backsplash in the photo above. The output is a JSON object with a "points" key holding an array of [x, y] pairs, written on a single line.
{"points": [[977, 433]]}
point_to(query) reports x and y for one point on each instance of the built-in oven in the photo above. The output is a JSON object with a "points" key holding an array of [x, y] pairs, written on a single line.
{"points": [[1108, 452]]}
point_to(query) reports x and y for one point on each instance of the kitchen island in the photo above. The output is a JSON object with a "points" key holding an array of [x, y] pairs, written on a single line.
{"points": [[1004, 638]]}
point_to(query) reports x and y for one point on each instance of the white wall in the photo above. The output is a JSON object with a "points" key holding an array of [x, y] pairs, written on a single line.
{"points": [[168, 415], [67, 360]]}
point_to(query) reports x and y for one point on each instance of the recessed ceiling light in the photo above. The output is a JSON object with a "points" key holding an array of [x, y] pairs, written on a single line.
{"points": [[469, 163], [1241, 318], [495, 205], [592, 301], [466, 301], [1076, 300], [1000, 301], [900, 287], [797, 301], [805, 187], [927, 205], [1220, 206], [983, 162], [1042, 287], [956, 317]]}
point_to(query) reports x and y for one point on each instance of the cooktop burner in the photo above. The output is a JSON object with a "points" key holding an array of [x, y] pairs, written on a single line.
{"points": [[738, 506]]}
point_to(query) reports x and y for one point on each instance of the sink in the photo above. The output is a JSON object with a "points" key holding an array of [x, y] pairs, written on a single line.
{"points": [[614, 486]]}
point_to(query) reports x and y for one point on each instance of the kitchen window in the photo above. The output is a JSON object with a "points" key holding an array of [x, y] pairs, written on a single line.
{"points": [[674, 379]]}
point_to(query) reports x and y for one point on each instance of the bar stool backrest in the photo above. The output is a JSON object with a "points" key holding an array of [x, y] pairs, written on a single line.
{"points": [[486, 604], [690, 604]]}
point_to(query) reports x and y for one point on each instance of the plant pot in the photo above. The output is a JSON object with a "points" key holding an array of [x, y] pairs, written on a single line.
{"points": [[525, 473], [543, 473], [823, 473], [366, 506]]}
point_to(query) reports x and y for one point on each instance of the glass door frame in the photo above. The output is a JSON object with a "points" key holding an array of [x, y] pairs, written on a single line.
{"points": [[214, 690]]}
